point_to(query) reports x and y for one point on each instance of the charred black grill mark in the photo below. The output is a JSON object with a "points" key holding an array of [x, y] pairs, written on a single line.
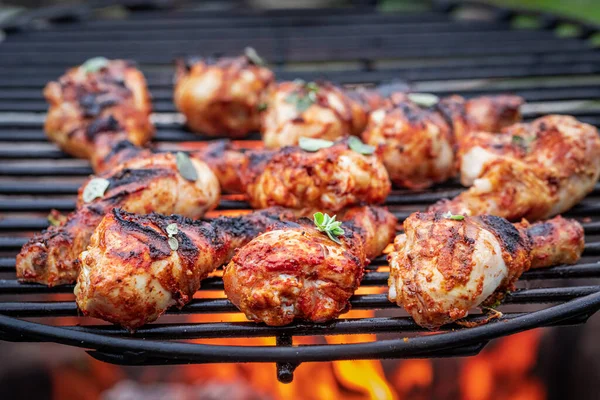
{"points": [[507, 233], [451, 109], [133, 224], [188, 250], [250, 226], [107, 124], [121, 146], [258, 159], [131, 175]]}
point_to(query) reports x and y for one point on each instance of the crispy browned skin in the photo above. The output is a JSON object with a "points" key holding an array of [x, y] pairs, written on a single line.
{"points": [[300, 273], [417, 143], [112, 146], [442, 267], [221, 97], [531, 171], [141, 185], [330, 112], [79, 99], [554, 242], [226, 162], [130, 275], [486, 113], [329, 179]]}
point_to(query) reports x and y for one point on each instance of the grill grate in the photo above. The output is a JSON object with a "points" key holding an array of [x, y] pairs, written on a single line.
{"points": [[433, 50]]}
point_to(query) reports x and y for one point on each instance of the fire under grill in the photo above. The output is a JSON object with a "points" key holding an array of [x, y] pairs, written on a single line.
{"points": [[435, 50]]}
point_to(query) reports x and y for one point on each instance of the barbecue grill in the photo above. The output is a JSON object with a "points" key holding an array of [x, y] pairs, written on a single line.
{"points": [[433, 50]]}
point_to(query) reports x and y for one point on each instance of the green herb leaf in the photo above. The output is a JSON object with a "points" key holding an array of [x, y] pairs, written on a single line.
{"points": [[95, 189], [304, 97], [94, 64], [262, 107], [172, 229], [457, 217], [423, 99], [312, 87], [173, 243], [516, 139], [523, 142], [312, 145], [358, 146], [55, 218], [253, 56], [328, 225], [186, 167], [319, 218]]}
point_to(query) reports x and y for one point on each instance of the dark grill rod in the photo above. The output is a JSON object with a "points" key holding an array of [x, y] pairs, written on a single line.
{"points": [[39, 105], [587, 270], [380, 349], [249, 329], [255, 31], [344, 51], [518, 65], [361, 302], [410, 40], [32, 100], [16, 223]]}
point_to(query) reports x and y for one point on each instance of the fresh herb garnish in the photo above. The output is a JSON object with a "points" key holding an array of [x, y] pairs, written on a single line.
{"points": [[172, 231], [173, 243], [523, 142], [253, 56], [423, 99], [262, 107], [186, 167], [358, 146], [95, 189], [449, 215], [94, 64], [329, 225], [55, 218], [304, 97], [312, 145]]}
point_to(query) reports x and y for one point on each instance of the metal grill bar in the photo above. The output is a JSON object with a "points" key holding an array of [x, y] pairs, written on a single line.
{"points": [[358, 302]]}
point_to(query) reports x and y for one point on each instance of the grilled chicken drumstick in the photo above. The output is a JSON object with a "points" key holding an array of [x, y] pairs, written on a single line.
{"points": [[315, 110], [329, 179], [533, 171], [444, 265], [131, 272], [222, 97], [418, 141], [134, 290], [99, 88], [300, 273], [141, 185]]}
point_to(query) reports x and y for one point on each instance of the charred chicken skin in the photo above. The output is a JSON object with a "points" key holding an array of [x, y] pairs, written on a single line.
{"points": [[137, 266], [300, 273], [418, 142], [131, 273], [328, 179], [94, 91], [533, 171], [141, 185], [315, 110], [221, 97], [442, 267]]}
